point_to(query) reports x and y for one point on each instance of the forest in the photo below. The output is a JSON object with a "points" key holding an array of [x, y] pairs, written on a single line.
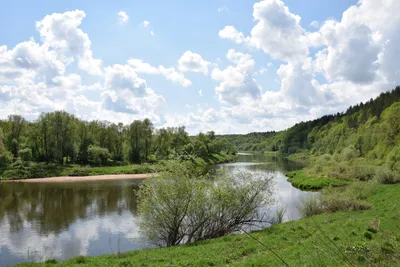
{"points": [[371, 127], [58, 138], [359, 144]]}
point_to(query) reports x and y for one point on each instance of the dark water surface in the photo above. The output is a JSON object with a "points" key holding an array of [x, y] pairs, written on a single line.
{"points": [[63, 220]]}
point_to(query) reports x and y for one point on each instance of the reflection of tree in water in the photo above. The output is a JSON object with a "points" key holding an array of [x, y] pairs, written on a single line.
{"points": [[52, 208]]}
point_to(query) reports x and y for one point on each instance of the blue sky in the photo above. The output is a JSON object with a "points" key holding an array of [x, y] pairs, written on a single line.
{"points": [[229, 66]]}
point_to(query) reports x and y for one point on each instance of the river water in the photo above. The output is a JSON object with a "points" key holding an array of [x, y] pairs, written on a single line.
{"points": [[39, 221]]}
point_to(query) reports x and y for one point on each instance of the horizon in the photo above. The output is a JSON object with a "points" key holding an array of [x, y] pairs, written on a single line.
{"points": [[119, 61]]}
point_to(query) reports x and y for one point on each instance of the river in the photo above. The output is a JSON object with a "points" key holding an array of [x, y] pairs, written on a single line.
{"points": [[39, 221]]}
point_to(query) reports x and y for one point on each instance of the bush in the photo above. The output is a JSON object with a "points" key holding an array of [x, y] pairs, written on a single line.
{"points": [[349, 153], [80, 172], [181, 206], [98, 155], [80, 259], [25, 154], [6, 158], [51, 261], [386, 176], [311, 206], [350, 198]]}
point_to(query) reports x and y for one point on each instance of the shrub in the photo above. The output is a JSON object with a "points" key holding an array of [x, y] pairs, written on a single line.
{"points": [[367, 235], [182, 206], [80, 172], [6, 158], [386, 176], [25, 154], [51, 261], [80, 259], [98, 155], [335, 202], [311, 206], [350, 198], [349, 153]]}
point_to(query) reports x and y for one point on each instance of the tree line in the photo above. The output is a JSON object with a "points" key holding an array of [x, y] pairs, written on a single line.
{"points": [[371, 128], [60, 137]]}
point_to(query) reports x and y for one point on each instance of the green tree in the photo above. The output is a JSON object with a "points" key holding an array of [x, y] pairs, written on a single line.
{"points": [[182, 207]]}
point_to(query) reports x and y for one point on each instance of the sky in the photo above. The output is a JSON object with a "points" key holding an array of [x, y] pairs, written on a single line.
{"points": [[232, 66]]}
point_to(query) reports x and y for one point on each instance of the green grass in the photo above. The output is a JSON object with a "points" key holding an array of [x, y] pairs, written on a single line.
{"points": [[358, 238], [304, 181]]}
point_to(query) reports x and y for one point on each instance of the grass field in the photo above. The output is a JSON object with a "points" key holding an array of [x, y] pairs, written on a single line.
{"points": [[358, 238], [304, 181]]}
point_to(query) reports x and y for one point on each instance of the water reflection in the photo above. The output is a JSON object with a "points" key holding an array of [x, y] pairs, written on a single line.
{"points": [[42, 220], [285, 194], [64, 220]]}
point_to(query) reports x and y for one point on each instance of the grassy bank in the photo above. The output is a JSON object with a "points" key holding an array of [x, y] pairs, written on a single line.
{"points": [[305, 181], [357, 238], [39, 170]]}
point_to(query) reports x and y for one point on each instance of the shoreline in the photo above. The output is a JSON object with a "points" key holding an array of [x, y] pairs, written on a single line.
{"points": [[67, 179]]}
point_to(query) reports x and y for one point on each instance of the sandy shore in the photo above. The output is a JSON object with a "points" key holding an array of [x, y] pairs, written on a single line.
{"points": [[65, 179]]}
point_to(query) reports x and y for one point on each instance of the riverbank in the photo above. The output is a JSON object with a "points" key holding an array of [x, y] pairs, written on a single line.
{"points": [[305, 181], [67, 179], [356, 238], [40, 170]]}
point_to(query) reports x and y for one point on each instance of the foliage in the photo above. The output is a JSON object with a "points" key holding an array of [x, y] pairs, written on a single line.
{"points": [[25, 154], [311, 206], [349, 198], [59, 137], [181, 206], [98, 155]]}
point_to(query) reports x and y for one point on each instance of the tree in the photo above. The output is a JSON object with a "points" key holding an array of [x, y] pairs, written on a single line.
{"points": [[135, 141], [148, 135], [98, 155], [17, 125], [25, 154], [182, 207], [5, 156]]}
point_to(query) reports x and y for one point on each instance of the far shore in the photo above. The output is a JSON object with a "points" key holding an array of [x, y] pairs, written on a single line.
{"points": [[66, 179]]}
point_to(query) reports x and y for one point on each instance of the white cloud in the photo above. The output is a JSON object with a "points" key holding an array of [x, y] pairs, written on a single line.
{"points": [[223, 9], [174, 76], [142, 67], [237, 83], [277, 32], [29, 60], [60, 31], [122, 17], [190, 61], [229, 32], [145, 23], [314, 24], [261, 71], [201, 92]]}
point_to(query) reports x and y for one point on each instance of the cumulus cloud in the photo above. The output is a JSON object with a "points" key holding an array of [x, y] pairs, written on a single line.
{"points": [[190, 61], [142, 67], [60, 31], [122, 17], [174, 76], [277, 32], [229, 32], [237, 83]]}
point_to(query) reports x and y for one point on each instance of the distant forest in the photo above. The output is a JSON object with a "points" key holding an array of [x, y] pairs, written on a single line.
{"points": [[59, 137], [371, 128]]}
